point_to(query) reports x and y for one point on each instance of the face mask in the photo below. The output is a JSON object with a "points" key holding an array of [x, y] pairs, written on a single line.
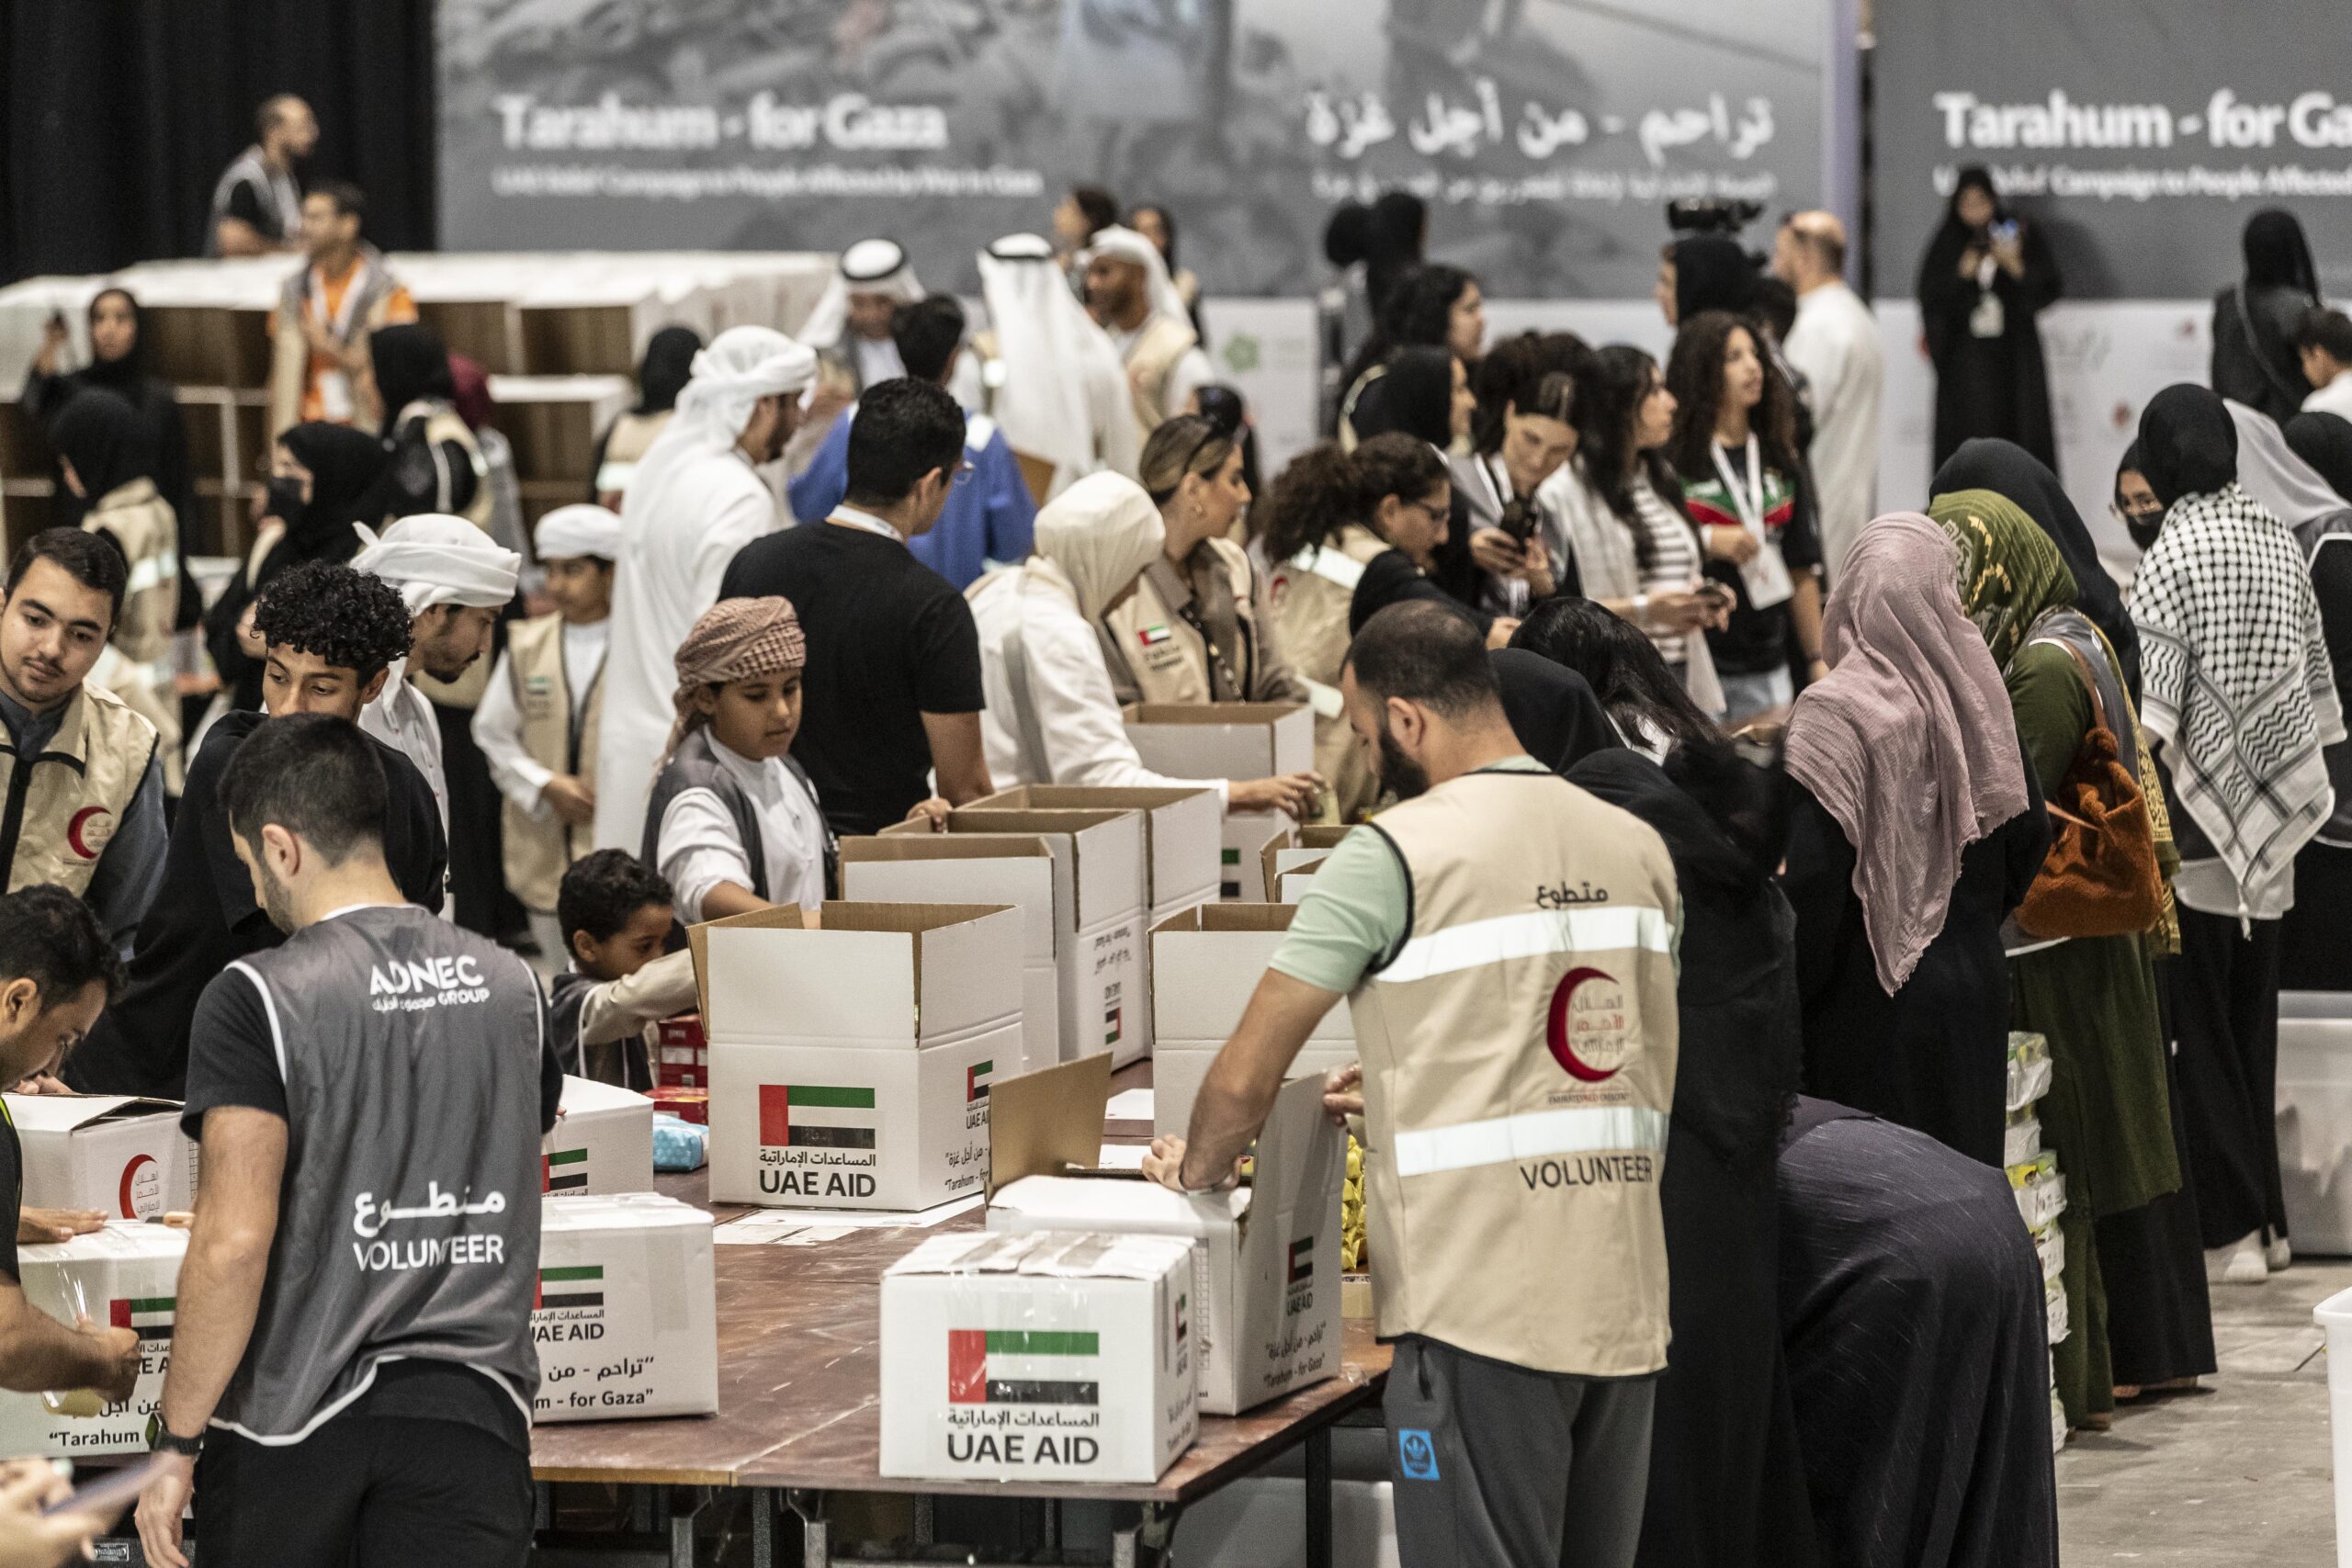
{"points": [[285, 500]]}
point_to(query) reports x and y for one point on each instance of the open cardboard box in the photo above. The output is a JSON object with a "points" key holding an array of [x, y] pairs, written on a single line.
{"points": [[852, 1065], [1289, 860], [969, 868], [121, 1155], [1205, 963], [1267, 1255], [1180, 834], [1228, 740], [1099, 918]]}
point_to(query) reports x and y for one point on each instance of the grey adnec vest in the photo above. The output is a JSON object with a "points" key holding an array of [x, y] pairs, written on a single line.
{"points": [[691, 766], [410, 1221]]}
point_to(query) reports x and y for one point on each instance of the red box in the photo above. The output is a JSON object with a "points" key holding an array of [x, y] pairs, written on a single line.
{"points": [[681, 1059], [685, 1104]]}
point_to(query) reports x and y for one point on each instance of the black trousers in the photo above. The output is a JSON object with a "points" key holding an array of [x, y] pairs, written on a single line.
{"points": [[365, 1491], [2224, 991]]}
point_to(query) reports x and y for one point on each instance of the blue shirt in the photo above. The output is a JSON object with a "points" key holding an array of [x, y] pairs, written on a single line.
{"points": [[988, 517]]}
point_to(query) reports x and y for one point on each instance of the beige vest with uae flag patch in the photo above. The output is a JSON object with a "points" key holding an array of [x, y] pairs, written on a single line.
{"points": [[1518, 1054]]}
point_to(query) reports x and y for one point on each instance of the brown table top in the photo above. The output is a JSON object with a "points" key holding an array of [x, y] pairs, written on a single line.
{"points": [[800, 1378]]}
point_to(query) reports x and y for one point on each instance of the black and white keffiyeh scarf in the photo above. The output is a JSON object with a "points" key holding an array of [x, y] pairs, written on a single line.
{"points": [[2238, 690]]}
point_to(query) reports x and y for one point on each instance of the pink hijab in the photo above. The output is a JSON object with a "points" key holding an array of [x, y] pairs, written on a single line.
{"points": [[1909, 742]]}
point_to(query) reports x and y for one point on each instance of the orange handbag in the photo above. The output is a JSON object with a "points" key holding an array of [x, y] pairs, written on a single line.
{"points": [[2100, 876]]}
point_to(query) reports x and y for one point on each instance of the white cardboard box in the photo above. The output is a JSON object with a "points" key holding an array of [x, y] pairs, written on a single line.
{"points": [[1099, 881], [1039, 1357], [1290, 859], [907, 865], [627, 1314], [1268, 1282], [1205, 963], [851, 1066], [1228, 740], [602, 1143], [2315, 1119], [1181, 834], [128, 1274], [122, 1155]]}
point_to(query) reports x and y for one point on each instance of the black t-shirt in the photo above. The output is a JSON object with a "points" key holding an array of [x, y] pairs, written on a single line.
{"points": [[204, 917], [232, 1060], [1391, 578], [12, 1191], [889, 640]]}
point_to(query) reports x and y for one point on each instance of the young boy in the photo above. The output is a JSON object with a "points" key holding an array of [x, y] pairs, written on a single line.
{"points": [[733, 823], [537, 724], [615, 917]]}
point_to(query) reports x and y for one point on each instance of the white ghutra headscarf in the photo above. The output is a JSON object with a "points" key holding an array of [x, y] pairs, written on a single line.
{"points": [[1130, 247], [869, 267], [434, 559], [1063, 396]]}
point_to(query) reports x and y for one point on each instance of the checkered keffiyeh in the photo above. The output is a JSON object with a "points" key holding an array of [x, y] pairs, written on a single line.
{"points": [[735, 639], [2238, 690]]}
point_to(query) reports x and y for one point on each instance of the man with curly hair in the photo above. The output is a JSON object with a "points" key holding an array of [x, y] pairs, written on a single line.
{"points": [[332, 635]]}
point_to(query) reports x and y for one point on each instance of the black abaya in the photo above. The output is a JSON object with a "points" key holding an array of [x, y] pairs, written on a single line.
{"points": [[2225, 990], [1911, 1309], [1725, 1483], [1934, 1056], [2159, 1316], [1998, 385], [2255, 319]]}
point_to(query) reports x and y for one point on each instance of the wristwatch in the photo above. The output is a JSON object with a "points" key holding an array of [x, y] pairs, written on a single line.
{"points": [[161, 1439]]}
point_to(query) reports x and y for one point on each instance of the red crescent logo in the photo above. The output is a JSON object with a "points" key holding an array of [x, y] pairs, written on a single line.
{"points": [[1557, 1030], [73, 830], [130, 1176]]}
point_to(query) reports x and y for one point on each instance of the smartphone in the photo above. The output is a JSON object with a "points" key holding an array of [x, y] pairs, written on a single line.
{"points": [[111, 1492], [1518, 522]]}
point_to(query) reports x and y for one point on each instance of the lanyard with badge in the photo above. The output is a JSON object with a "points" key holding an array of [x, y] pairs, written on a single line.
{"points": [[1765, 574], [865, 522], [337, 404]]}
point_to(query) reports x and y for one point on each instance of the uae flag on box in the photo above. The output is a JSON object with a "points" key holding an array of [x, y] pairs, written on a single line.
{"points": [[581, 1286], [816, 1116], [1022, 1366], [149, 1316], [976, 1078], [566, 1170]]}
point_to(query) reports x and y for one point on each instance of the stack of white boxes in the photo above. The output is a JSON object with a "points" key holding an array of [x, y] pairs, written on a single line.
{"points": [[909, 864], [1228, 740], [850, 1066], [1206, 962], [1266, 1293], [2040, 1191], [1099, 883]]}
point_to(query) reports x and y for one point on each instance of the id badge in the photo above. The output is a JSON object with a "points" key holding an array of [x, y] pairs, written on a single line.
{"points": [[1766, 578], [336, 405], [1988, 320]]}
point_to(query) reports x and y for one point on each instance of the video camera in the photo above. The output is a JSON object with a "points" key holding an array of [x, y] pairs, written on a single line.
{"points": [[1710, 215]]}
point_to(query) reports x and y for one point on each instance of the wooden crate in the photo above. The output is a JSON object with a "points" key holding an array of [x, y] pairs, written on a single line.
{"points": [[25, 510], [24, 447]]}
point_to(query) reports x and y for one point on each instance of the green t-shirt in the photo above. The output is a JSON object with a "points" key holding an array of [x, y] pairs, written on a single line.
{"points": [[1358, 910]]}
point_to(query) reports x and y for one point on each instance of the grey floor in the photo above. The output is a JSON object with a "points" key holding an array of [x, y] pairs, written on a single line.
{"points": [[2234, 1475]]}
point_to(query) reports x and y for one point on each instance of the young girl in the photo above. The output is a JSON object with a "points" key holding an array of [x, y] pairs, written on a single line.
{"points": [[734, 824], [1735, 445]]}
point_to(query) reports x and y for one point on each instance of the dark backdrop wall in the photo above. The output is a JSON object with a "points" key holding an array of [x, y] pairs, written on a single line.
{"points": [[116, 117]]}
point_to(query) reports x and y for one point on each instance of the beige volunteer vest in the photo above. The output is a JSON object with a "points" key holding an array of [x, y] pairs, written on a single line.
{"points": [[1311, 593], [1163, 657], [1518, 1056], [1161, 345], [538, 851], [631, 434], [143, 524], [62, 808]]}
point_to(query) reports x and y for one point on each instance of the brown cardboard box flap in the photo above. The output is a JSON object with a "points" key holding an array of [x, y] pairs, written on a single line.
{"points": [[1049, 1123], [1208, 713], [1229, 918]]}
